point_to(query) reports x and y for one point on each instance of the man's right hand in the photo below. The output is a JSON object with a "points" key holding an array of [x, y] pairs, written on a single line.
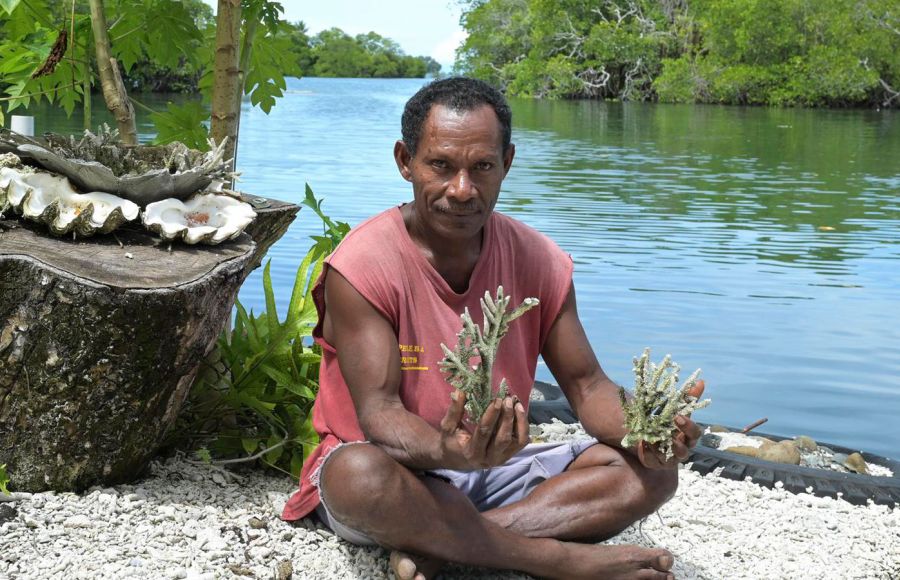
{"points": [[501, 433]]}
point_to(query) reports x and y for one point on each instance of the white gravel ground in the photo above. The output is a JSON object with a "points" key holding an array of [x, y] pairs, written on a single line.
{"points": [[189, 521]]}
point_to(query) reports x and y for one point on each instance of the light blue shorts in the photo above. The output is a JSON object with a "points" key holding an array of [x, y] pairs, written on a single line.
{"points": [[487, 488]]}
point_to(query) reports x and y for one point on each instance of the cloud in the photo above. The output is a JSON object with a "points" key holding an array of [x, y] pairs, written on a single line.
{"points": [[445, 51]]}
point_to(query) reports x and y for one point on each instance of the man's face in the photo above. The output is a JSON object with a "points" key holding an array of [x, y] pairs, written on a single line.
{"points": [[457, 170]]}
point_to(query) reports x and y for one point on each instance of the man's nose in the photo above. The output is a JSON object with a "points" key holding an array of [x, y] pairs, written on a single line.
{"points": [[461, 187]]}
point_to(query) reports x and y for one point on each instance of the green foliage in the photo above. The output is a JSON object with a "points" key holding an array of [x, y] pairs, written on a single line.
{"points": [[163, 44], [4, 480], [334, 53], [332, 232], [252, 400], [570, 48], [185, 123], [772, 52]]}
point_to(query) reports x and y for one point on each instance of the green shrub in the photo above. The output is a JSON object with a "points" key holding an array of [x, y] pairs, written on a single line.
{"points": [[252, 399]]}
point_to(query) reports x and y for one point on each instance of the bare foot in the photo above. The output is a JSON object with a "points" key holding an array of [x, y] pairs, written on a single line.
{"points": [[409, 567], [616, 562]]}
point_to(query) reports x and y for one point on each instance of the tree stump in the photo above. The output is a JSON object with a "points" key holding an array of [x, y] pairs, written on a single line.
{"points": [[100, 343]]}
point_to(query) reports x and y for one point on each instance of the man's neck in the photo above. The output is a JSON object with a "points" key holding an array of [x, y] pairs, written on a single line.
{"points": [[454, 260]]}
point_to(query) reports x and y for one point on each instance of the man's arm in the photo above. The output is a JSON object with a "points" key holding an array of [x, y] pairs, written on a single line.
{"points": [[592, 395], [369, 358]]}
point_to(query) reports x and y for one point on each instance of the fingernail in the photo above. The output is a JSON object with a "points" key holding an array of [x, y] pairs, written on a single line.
{"points": [[520, 408], [454, 395], [508, 403], [498, 403], [680, 421]]}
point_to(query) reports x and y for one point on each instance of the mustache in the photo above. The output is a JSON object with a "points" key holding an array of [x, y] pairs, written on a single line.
{"points": [[469, 207]]}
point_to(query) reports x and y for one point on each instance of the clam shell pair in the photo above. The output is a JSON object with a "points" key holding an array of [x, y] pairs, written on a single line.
{"points": [[51, 200], [205, 218]]}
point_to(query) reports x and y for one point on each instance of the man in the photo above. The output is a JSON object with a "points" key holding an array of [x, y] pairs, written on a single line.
{"points": [[427, 484]]}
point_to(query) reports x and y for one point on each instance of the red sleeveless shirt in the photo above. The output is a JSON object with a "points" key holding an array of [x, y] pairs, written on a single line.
{"points": [[383, 264]]}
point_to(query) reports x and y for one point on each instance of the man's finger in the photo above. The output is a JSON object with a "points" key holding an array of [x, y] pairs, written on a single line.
{"points": [[521, 426], [484, 432], [454, 412], [503, 436], [680, 450], [691, 431], [696, 390]]}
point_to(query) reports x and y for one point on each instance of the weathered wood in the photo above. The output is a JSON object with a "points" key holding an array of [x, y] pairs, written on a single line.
{"points": [[99, 344], [272, 220]]}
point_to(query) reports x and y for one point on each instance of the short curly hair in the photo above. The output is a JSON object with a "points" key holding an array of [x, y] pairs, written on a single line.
{"points": [[457, 94]]}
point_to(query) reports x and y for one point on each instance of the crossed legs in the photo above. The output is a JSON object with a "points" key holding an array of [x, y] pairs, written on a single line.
{"points": [[601, 493]]}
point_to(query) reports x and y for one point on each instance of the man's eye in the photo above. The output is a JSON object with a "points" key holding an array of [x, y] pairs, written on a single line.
{"points": [[439, 164], [484, 166]]}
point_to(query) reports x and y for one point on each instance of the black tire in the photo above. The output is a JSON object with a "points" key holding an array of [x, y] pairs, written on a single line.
{"points": [[853, 487]]}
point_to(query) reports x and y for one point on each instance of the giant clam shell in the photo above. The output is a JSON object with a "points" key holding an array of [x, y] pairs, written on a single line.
{"points": [[142, 174], [205, 218], [50, 200]]}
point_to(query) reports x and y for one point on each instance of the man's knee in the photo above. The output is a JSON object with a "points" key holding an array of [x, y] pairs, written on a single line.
{"points": [[661, 486], [643, 489], [355, 477]]}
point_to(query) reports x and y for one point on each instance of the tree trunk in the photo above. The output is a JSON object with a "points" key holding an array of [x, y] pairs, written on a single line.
{"points": [[99, 344], [110, 80], [252, 23], [227, 77]]}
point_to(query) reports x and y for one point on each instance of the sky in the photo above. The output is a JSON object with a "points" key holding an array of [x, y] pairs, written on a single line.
{"points": [[421, 27]]}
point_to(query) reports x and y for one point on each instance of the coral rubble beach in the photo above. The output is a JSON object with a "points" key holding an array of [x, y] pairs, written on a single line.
{"points": [[191, 521]]}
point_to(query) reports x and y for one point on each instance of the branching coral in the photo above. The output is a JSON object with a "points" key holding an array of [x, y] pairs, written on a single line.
{"points": [[472, 341], [650, 414]]}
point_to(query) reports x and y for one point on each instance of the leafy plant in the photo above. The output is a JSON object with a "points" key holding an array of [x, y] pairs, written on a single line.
{"points": [[4, 480], [252, 400]]}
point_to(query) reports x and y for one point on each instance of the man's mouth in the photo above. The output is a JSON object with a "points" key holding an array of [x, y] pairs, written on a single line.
{"points": [[457, 211]]}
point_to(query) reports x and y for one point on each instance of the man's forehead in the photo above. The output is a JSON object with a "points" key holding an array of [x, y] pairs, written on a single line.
{"points": [[442, 119]]}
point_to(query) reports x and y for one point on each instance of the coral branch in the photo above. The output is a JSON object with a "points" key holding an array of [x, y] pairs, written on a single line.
{"points": [[650, 413], [477, 381]]}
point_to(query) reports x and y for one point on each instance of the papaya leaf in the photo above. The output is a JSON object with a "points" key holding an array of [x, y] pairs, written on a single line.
{"points": [[9, 5], [185, 123]]}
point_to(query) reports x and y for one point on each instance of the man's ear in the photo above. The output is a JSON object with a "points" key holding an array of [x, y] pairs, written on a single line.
{"points": [[508, 158], [403, 159]]}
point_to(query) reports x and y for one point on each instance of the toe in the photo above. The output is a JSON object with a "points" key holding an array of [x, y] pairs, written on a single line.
{"points": [[404, 567]]}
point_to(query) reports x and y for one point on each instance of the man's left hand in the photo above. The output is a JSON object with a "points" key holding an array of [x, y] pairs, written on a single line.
{"points": [[685, 440]]}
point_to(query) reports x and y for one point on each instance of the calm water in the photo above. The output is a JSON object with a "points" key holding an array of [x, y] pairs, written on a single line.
{"points": [[762, 245]]}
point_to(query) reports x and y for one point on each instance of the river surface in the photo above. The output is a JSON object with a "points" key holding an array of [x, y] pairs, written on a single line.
{"points": [[762, 245]]}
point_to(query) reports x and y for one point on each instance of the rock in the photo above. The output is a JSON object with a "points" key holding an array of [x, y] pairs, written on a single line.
{"points": [[78, 521], [710, 440], [284, 570], [782, 452], [239, 570], [718, 429], [745, 450], [7, 513], [804, 443], [856, 464], [257, 524]]}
